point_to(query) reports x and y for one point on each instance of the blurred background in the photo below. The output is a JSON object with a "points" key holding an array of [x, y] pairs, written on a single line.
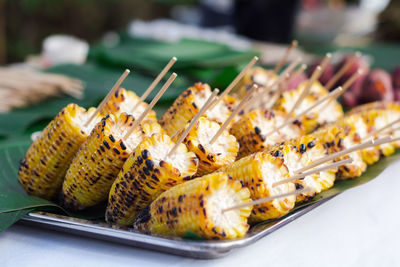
{"points": [[24, 24]]}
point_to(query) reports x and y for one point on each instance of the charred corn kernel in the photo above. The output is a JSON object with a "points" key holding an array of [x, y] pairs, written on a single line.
{"points": [[329, 113], [123, 101], [189, 103], [44, 165], [257, 75], [197, 207], [145, 175], [98, 161], [299, 153], [211, 156], [251, 129], [258, 172]]}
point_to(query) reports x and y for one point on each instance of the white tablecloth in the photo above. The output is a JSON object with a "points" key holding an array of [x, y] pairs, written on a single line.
{"points": [[360, 227]]}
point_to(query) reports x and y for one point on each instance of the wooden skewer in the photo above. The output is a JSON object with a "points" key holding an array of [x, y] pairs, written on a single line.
{"points": [[345, 86], [341, 72], [300, 70], [278, 81], [105, 100], [367, 144], [306, 90], [395, 129], [151, 105], [235, 81], [234, 113], [371, 134], [154, 83], [317, 170], [193, 122], [332, 94], [292, 46], [266, 199]]}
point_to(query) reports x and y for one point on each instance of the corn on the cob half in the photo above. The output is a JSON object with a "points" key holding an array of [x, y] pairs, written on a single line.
{"points": [[251, 129], [196, 207], [211, 156], [340, 136], [123, 101], [145, 175], [258, 172], [98, 161], [329, 113], [257, 75], [189, 103], [44, 165], [299, 153]]}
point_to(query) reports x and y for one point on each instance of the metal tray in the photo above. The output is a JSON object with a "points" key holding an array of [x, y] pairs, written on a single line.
{"points": [[201, 249]]}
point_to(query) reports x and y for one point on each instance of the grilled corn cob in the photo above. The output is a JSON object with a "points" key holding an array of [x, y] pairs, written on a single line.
{"points": [[189, 103], [251, 128], [329, 113], [299, 153], [196, 206], [145, 175], [44, 165], [258, 172], [211, 156], [257, 75], [123, 101], [98, 161], [340, 136]]}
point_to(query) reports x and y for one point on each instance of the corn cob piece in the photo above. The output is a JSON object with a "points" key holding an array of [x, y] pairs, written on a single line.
{"points": [[145, 175], [98, 161], [211, 156], [123, 101], [330, 113], [258, 172], [386, 105], [189, 103], [257, 75], [44, 165], [196, 206], [344, 135], [251, 128], [299, 153]]}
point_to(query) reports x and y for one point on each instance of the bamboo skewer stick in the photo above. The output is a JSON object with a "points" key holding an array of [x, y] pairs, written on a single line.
{"points": [[313, 171], [371, 134], [104, 102], [341, 72], [154, 83], [292, 46], [315, 76], [300, 70], [367, 144], [234, 113], [266, 199], [151, 105], [332, 94], [278, 81], [345, 86], [193, 122], [235, 81]]}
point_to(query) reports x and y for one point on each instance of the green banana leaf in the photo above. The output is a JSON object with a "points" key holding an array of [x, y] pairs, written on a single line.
{"points": [[15, 203]]}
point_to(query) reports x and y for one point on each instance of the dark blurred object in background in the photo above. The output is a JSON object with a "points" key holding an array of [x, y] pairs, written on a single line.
{"points": [[389, 22], [266, 20], [25, 23]]}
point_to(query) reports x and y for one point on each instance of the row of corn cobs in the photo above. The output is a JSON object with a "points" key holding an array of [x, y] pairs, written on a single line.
{"points": [[188, 191]]}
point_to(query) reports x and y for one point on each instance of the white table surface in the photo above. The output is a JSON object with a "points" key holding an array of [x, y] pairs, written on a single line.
{"points": [[360, 227]]}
